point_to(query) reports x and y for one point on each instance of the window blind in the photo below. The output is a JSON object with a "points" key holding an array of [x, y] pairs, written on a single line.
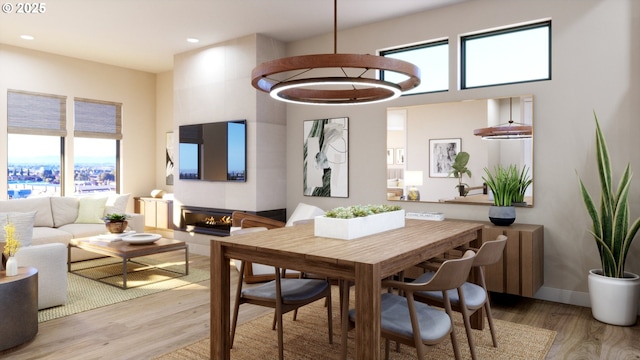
{"points": [[36, 114], [97, 119]]}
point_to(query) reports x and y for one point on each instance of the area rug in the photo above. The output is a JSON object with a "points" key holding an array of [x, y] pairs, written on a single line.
{"points": [[86, 294], [307, 339]]}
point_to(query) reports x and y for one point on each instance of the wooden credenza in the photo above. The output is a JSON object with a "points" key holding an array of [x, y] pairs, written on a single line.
{"points": [[158, 214], [521, 271]]}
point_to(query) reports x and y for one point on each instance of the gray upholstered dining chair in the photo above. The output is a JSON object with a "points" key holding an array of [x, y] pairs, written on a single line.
{"points": [[284, 295], [417, 324], [473, 296]]}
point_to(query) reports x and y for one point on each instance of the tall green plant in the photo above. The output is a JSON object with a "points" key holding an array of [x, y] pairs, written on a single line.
{"points": [[611, 228], [524, 180], [504, 184]]}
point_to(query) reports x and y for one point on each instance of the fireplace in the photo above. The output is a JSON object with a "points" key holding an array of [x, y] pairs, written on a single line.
{"points": [[216, 221]]}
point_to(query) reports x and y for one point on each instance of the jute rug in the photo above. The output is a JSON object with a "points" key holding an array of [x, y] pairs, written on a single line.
{"points": [[307, 339], [87, 294]]}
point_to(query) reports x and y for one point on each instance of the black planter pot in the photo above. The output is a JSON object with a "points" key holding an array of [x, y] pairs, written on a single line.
{"points": [[502, 215]]}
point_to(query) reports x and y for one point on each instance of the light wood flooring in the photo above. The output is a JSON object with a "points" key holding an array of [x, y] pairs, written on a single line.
{"points": [[156, 324]]}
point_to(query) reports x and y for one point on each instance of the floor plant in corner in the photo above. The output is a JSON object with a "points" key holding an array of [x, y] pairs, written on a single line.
{"points": [[614, 292]]}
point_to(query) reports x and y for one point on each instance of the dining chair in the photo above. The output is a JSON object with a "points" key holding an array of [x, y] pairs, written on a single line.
{"points": [[473, 296], [417, 324], [283, 295]]}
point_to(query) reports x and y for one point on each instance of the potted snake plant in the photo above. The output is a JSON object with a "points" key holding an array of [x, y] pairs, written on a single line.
{"points": [[614, 292]]}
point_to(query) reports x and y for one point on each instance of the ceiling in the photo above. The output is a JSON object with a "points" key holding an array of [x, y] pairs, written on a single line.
{"points": [[145, 34]]}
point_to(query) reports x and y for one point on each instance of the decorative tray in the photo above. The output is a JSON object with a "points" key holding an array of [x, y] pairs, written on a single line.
{"points": [[141, 238]]}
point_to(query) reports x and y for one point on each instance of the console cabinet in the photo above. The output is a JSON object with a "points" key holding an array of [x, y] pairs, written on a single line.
{"points": [[158, 214], [521, 271]]}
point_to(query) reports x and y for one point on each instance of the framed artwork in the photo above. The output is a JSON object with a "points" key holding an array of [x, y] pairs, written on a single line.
{"points": [[169, 155], [442, 153], [400, 158], [389, 156], [326, 157]]}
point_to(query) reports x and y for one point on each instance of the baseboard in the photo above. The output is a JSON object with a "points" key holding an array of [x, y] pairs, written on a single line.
{"points": [[577, 298], [563, 296]]}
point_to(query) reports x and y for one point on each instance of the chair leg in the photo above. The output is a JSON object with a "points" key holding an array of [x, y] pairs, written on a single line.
{"points": [[467, 323], [454, 341], [490, 319]]}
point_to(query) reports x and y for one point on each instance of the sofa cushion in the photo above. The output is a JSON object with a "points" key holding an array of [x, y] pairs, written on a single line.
{"points": [[91, 210], [42, 205], [45, 235], [116, 204], [64, 209], [83, 230], [23, 223]]}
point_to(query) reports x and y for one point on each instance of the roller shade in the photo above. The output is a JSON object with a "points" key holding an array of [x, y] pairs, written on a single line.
{"points": [[36, 114], [97, 119]]}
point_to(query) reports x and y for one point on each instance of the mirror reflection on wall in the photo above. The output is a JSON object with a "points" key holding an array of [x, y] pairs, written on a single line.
{"points": [[425, 139]]}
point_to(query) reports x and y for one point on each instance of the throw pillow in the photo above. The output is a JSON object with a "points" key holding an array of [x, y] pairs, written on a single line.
{"points": [[304, 212], [116, 204], [42, 205], [64, 209], [91, 210], [23, 223]]}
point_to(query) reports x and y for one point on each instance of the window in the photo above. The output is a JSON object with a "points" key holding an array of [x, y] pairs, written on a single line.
{"points": [[433, 61], [36, 126], [33, 165], [507, 56], [97, 134], [94, 165]]}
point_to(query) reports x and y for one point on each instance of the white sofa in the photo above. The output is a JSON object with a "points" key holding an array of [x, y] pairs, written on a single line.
{"points": [[45, 226]]}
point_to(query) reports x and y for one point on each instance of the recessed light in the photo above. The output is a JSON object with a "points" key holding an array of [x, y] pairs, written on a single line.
{"points": [[27, 37], [193, 40]]}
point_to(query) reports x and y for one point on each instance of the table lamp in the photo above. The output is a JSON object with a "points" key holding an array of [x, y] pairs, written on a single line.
{"points": [[413, 179]]}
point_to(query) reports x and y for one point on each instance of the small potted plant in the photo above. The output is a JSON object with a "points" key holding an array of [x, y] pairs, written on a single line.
{"points": [[459, 167], [504, 184], [116, 223]]}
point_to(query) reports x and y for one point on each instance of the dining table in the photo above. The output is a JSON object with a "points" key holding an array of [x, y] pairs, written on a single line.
{"points": [[364, 261]]}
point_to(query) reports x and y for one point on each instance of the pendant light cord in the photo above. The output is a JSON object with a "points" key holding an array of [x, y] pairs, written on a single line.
{"points": [[335, 26]]}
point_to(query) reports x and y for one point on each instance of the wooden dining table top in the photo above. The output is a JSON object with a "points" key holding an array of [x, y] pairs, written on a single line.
{"points": [[416, 241]]}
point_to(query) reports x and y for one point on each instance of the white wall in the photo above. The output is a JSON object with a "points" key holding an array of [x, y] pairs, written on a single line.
{"points": [[29, 70], [212, 84], [164, 125], [596, 52]]}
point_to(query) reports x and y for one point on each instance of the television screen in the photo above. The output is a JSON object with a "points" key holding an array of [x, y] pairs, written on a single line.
{"points": [[213, 151]]}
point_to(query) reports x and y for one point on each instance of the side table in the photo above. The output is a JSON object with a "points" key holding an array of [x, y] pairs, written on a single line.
{"points": [[19, 307]]}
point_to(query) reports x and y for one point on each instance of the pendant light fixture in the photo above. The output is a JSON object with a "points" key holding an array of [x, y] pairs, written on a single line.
{"points": [[333, 79], [509, 131]]}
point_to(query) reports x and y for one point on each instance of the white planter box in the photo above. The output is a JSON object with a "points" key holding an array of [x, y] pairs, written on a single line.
{"points": [[349, 229]]}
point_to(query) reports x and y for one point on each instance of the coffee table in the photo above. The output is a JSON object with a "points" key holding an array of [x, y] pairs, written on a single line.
{"points": [[127, 251]]}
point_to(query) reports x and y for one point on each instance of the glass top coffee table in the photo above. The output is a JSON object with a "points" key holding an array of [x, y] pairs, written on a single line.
{"points": [[127, 251]]}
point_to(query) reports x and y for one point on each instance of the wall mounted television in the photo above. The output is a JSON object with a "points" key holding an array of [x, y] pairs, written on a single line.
{"points": [[213, 151]]}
